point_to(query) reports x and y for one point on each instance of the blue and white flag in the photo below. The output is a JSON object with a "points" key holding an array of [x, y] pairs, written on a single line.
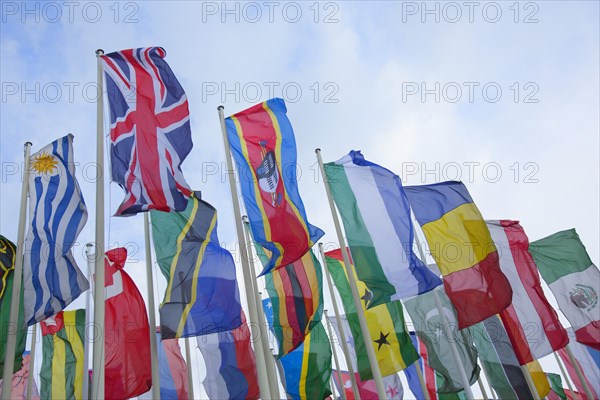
{"points": [[57, 213]]}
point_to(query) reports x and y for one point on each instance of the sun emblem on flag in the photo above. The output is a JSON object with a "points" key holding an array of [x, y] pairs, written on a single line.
{"points": [[44, 163], [584, 297]]}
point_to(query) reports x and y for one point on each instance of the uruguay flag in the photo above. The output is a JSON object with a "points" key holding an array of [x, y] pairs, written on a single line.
{"points": [[57, 214]]}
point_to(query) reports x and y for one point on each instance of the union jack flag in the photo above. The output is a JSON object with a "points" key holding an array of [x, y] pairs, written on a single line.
{"points": [[149, 130]]}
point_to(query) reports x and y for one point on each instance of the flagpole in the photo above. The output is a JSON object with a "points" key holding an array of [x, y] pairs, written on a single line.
{"points": [[11, 339], [354, 289], [579, 373], [151, 312], [422, 380], [98, 356], [270, 363], [335, 357], [336, 312], [31, 360], [86, 341], [562, 370], [449, 336], [188, 357], [261, 368], [482, 388], [530, 383]]}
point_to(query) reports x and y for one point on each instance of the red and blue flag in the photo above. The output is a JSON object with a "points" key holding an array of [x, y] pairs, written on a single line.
{"points": [[150, 131]]}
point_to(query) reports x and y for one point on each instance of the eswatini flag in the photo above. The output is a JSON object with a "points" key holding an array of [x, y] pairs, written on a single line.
{"points": [[462, 247], [264, 148], [529, 306], [575, 281]]}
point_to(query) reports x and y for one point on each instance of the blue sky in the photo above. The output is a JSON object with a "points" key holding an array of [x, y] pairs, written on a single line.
{"points": [[354, 75]]}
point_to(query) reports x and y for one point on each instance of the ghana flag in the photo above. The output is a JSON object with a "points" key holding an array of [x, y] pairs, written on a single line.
{"points": [[296, 293], [393, 347], [264, 148], [62, 370]]}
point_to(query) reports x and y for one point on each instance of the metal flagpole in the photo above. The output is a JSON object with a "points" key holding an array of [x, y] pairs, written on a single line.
{"points": [[261, 368], [86, 341], [31, 361], [336, 312], [422, 380], [335, 357], [564, 373], [98, 356], [11, 339], [188, 358], [579, 373], [530, 383], [356, 297], [270, 363], [449, 336], [482, 388], [151, 312]]}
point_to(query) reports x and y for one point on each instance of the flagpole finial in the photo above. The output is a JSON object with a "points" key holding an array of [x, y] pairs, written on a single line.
{"points": [[99, 52], [220, 107], [28, 144], [317, 150], [89, 244]]}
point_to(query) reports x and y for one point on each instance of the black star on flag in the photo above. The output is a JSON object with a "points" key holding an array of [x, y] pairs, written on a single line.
{"points": [[367, 297], [382, 340]]}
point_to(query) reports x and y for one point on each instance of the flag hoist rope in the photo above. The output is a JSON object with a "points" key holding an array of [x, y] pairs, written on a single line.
{"points": [[98, 357], [11, 339], [335, 358], [261, 368], [336, 312], [381, 393]]}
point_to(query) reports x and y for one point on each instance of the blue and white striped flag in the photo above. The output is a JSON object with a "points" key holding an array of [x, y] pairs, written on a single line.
{"points": [[57, 214]]}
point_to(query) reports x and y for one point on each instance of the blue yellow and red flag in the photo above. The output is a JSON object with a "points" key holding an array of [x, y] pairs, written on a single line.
{"points": [[264, 148]]}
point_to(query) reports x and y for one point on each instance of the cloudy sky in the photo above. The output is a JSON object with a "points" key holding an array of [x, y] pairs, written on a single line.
{"points": [[501, 95]]}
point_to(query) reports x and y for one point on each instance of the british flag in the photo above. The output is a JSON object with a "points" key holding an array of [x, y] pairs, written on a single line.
{"points": [[149, 130]]}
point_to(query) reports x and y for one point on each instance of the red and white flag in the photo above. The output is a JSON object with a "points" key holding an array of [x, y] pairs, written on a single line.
{"points": [[128, 371], [531, 323]]}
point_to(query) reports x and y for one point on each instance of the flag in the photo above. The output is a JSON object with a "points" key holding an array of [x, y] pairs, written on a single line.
{"points": [[307, 370], [128, 368], [172, 370], [7, 267], [57, 213], [19, 382], [150, 133], [462, 247], [499, 360], [386, 324], [264, 148], [589, 363], [433, 380], [296, 293], [376, 216], [62, 371], [538, 376], [230, 365], [532, 324], [367, 389], [429, 326], [575, 281], [202, 296], [556, 390]]}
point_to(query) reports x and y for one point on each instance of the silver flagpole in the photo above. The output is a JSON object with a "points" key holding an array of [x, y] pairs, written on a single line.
{"points": [[338, 320], [422, 380], [564, 373], [31, 361], [335, 357], [530, 383], [86, 339], [151, 312], [356, 297], [579, 373], [11, 339], [449, 336], [261, 368], [98, 360], [482, 388], [188, 358], [269, 361]]}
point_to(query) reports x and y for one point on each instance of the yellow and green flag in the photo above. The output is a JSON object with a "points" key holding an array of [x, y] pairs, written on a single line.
{"points": [[62, 370], [392, 344]]}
